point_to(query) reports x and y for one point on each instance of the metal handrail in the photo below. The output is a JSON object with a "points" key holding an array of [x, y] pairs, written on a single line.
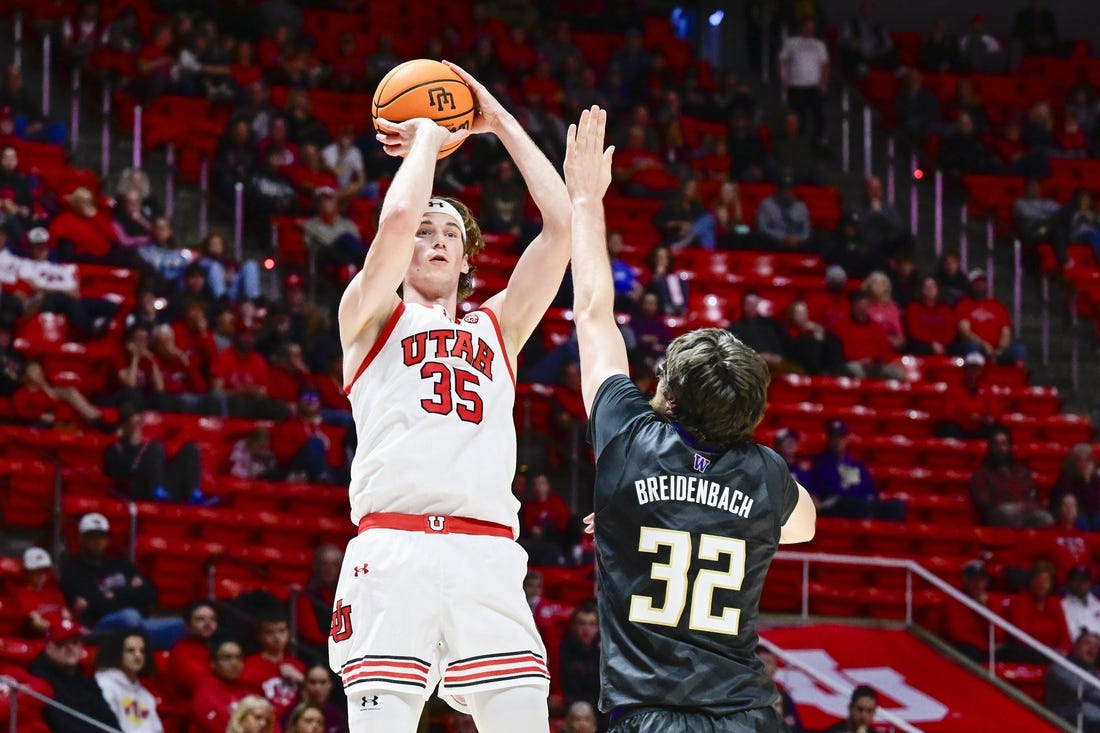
{"points": [[834, 684], [954, 593], [18, 688]]}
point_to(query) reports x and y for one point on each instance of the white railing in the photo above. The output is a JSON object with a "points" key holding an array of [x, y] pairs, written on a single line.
{"points": [[913, 568], [835, 684], [16, 689]]}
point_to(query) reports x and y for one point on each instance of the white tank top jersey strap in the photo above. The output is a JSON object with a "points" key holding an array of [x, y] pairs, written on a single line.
{"points": [[432, 403]]}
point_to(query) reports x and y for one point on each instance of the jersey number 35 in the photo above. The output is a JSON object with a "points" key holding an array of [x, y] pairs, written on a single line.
{"points": [[675, 574]]}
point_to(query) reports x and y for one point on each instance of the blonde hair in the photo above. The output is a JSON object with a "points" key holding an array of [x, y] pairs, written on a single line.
{"points": [[251, 704], [878, 277]]}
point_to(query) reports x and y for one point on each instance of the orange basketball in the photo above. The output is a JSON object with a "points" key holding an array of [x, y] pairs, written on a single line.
{"points": [[424, 88]]}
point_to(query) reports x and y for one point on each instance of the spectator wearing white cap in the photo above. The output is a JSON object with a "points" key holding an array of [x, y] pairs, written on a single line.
{"points": [[332, 238], [39, 598], [972, 409], [59, 665], [985, 325], [107, 592]]}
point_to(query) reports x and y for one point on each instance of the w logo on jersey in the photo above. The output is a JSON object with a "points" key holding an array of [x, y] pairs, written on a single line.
{"points": [[701, 464]]}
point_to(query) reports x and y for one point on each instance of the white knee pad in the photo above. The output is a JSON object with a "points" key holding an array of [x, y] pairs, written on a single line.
{"points": [[376, 711], [510, 710]]}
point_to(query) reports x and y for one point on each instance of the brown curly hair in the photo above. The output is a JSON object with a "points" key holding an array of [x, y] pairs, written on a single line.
{"points": [[474, 243]]}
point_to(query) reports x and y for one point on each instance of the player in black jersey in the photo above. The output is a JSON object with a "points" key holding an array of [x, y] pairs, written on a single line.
{"points": [[688, 509]]}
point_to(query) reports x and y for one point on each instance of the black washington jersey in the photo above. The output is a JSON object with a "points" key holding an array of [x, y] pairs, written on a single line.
{"points": [[684, 538]]}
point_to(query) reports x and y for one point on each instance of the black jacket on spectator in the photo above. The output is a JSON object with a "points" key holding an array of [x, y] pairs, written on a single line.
{"points": [[580, 669], [106, 585], [75, 689], [764, 335]]}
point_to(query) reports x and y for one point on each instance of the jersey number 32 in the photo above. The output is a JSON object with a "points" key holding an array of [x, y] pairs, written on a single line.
{"points": [[674, 574]]}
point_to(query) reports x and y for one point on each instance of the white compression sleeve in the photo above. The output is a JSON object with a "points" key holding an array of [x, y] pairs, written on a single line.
{"points": [[511, 709]]}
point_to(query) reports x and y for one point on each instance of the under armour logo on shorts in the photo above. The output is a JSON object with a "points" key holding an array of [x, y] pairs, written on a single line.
{"points": [[361, 569], [369, 702]]}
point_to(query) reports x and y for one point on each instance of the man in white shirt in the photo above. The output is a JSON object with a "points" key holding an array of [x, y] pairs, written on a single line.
{"points": [[1081, 608], [804, 72]]}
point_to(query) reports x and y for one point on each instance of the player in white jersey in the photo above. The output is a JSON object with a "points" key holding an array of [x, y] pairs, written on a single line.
{"points": [[431, 588]]}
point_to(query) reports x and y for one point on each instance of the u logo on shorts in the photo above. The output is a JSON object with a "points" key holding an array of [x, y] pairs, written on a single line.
{"points": [[436, 522]]}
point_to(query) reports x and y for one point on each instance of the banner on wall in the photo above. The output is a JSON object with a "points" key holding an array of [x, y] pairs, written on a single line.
{"points": [[913, 681]]}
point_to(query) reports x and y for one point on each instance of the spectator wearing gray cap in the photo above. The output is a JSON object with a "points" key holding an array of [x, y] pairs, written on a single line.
{"points": [[964, 628], [783, 220], [38, 598], [985, 325], [841, 484], [1064, 694], [108, 592], [831, 305], [1080, 605], [330, 236]]}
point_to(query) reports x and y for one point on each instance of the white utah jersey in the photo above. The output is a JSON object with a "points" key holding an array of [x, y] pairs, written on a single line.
{"points": [[432, 404]]}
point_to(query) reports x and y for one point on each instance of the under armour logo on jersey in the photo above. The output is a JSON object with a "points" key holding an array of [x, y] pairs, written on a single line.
{"points": [[701, 464], [361, 569], [369, 702], [436, 522]]}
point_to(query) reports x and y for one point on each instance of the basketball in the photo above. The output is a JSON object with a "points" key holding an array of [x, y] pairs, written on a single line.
{"points": [[425, 88]]}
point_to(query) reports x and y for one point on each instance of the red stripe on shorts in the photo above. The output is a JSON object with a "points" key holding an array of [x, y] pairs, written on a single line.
{"points": [[483, 676], [496, 661]]}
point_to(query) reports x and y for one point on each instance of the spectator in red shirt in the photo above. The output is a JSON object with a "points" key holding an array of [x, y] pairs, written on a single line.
{"points": [[277, 144], [288, 373], [38, 402], [330, 385], [866, 349], [39, 599], [831, 306], [185, 386], [545, 611], [1038, 612], [84, 233], [930, 322], [189, 661], [220, 691], [964, 628], [315, 602], [971, 409], [545, 508], [984, 323], [279, 675], [241, 374], [194, 338], [138, 379], [302, 446], [155, 63], [882, 309]]}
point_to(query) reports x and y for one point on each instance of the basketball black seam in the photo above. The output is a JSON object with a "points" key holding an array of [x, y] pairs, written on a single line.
{"points": [[406, 90]]}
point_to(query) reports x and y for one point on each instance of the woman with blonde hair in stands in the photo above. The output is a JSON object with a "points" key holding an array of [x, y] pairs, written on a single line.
{"points": [[883, 310], [253, 714]]}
